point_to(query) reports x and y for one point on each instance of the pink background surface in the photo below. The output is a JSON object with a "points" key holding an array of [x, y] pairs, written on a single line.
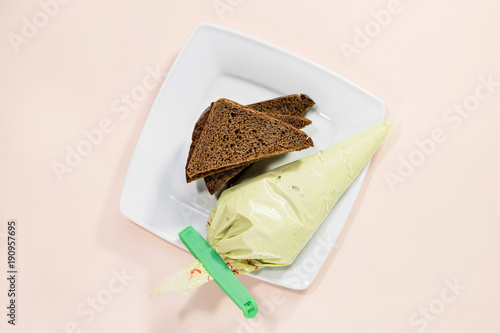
{"points": [[419, 253]]}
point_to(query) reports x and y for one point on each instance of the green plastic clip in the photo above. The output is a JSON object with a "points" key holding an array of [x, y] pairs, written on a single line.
{"points": [[218, 269]]}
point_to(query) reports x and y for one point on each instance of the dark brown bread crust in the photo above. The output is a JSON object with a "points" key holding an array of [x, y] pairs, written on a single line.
{"points": [[294, 105], [235, 135]]}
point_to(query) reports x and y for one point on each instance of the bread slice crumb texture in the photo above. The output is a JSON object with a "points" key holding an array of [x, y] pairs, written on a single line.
{"points": [[235, 135]]}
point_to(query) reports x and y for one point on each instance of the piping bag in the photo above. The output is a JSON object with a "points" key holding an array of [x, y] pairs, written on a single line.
{"points": [[267, 220]]}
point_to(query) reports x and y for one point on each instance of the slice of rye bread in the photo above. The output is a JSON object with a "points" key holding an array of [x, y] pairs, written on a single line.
{"points": [[279, 107], [235, 135], [289, 109], [298, 121], [294, 105]]}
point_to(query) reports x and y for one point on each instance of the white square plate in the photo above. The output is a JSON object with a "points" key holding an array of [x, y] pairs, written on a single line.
{"points": [[214, 63]]}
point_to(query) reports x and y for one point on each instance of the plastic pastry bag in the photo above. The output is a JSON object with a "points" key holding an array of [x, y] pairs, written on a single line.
{"points": [[267, 220]]}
